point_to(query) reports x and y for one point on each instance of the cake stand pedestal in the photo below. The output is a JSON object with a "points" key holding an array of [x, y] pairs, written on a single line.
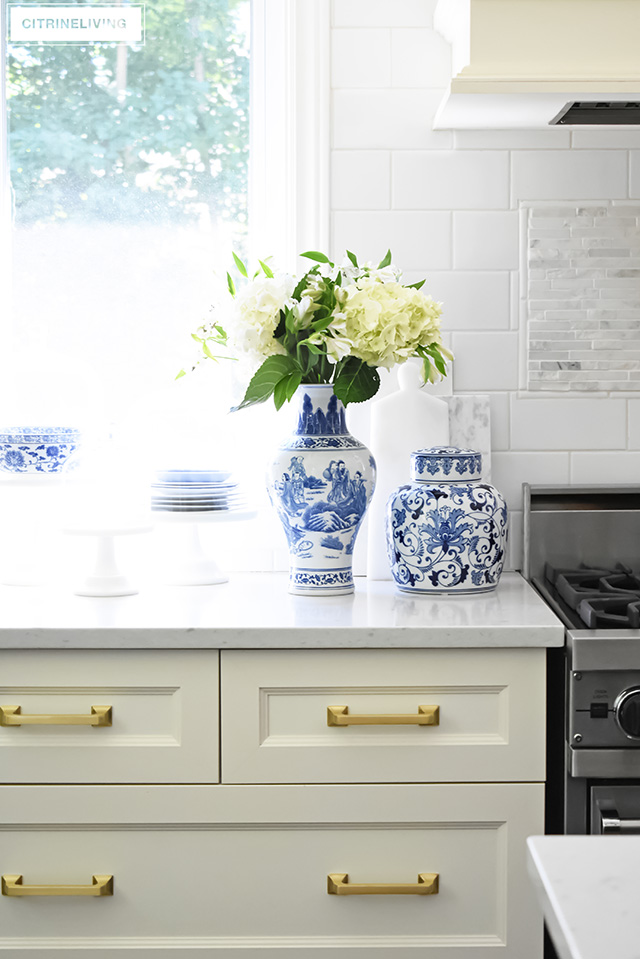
{"points": [[106, 578], [194, 567]]}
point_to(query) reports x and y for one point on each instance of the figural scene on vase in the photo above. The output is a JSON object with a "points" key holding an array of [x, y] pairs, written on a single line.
{"points": [[321, 482]]}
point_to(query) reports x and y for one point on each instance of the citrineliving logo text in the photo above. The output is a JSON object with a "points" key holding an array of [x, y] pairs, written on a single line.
{"points": [[75, 23]]}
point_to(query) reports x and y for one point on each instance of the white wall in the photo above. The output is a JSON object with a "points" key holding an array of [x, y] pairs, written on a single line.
{"points": [[449, 206]]}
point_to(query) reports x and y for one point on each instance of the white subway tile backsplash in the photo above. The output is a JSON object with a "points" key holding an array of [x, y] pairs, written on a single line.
{"points": [[450, 180], [568, 424], [511, 139], [471, 301], [387, 120], [599, 468], [360, 180], [360, 58], [633, 410], [484, 362], [381, 13], [568, 174], [486, 240], [515, 542], [634, 174], [419, 58], [418, 240], [510, 470], [499, 421], [606, 139], [563, 297]]}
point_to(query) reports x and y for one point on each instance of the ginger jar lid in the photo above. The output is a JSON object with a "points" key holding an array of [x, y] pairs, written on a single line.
{"points": [[446, 464]]}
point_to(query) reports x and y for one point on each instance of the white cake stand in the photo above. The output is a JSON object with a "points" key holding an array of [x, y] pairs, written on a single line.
{"points": [[194, 567], [106, 579]]}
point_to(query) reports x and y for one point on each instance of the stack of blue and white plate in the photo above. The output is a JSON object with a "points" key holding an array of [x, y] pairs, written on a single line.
{"points": [[196, 491]]}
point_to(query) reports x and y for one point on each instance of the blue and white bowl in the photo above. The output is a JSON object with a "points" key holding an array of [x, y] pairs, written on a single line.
{"points": [[32, 449]]}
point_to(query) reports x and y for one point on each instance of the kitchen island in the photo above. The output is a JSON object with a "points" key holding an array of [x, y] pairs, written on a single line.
{"points": [[248, 773], [588, 890]]}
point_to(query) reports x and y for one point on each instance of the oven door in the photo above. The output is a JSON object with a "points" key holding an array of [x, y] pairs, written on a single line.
{"points": [[615, 809]]}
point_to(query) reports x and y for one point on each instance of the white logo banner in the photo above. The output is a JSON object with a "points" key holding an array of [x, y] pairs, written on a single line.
{"points": [[76, 23]]}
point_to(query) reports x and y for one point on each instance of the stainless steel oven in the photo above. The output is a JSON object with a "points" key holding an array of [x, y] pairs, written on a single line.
{"points": [[582, 553]]}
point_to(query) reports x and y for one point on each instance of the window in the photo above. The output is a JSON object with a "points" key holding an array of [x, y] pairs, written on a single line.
{"points": [[135, 169], [128, 165]]}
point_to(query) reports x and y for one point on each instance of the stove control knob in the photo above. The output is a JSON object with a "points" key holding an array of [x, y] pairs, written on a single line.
{"points": [[626, 710]]}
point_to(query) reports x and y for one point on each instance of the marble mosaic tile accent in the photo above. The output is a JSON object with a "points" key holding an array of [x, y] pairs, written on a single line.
{"points": [[583, 297]]}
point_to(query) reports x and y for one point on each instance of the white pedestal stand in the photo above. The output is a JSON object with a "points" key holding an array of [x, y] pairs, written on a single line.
{"points": [[194, 567], [106, 579]]}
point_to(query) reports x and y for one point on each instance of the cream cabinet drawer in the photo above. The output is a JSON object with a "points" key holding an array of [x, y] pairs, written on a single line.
{"points": [[163, 716], [274, 714], [242, 871]]}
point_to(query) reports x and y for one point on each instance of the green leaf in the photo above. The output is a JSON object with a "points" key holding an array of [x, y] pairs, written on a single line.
{"points": [[319, 257], [356, 382], [435, 356], [231, 285], [285, 388], [293, 382], [266, 269], [264, 381], [416, 286], [353, 258], [320, 325], [181, 373], [386, 261], [198, 339], [241, 267]]}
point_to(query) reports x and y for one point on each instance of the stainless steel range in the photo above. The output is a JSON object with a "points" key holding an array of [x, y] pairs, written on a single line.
{"points": [[582, 553]]}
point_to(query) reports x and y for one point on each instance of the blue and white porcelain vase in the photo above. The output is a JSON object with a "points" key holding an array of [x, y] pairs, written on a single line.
{"points": [[446, 530], [321, 482]]}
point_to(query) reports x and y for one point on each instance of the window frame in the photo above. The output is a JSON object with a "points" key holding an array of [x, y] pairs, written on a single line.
{"points": [[289, 154]]}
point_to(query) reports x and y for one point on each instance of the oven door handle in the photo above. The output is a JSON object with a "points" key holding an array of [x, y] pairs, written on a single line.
{"points": [[611, 823]]}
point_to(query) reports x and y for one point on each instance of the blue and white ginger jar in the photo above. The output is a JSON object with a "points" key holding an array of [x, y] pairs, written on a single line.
{"points": [[321, 482], [446, 530]]}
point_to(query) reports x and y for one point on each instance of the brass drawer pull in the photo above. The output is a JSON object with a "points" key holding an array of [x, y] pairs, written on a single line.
{"points": [[13, 716], [100, 886], [338, 885], [426, 716]]}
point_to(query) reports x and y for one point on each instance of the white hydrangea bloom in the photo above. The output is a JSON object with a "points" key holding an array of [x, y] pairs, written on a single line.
{"points": [[386, 321], [256, 314]]}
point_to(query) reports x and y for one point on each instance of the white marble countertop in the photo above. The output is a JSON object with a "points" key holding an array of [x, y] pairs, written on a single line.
{"points": [[254, 610], [588, 887]]}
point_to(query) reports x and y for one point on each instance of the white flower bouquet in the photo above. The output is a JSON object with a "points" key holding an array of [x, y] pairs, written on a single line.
{"points": [[336, 324]]}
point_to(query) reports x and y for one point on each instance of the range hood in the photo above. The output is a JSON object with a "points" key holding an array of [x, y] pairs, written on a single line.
{"points": [[533, 64]]}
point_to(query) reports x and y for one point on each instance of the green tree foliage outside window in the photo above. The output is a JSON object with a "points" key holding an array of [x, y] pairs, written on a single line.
{"points": [[153, 132]]}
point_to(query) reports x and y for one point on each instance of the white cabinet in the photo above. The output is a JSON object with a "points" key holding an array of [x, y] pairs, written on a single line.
{"points": [[163, 724], [239, 870], [242, 871], [490, 719]]}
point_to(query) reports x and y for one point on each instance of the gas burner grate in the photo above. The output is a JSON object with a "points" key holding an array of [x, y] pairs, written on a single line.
{"points": [[602, 598]]}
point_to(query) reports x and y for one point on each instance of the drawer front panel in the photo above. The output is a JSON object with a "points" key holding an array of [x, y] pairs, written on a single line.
{"points": [[490, 709], [268, 889], [163, 722]]}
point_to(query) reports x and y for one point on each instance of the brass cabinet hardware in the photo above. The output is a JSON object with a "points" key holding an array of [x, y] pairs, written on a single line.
{"points": [[426, 716], [338, 885], [100, 886], [13, 716]]}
